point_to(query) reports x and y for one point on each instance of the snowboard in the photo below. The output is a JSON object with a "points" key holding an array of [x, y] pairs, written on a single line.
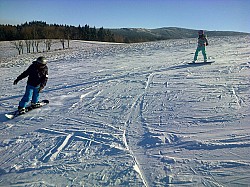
{"points": [[201, 63], [29, 108]]}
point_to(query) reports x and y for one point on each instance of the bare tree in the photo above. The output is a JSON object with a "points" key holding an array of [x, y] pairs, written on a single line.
{"points": [[48, 44], [63, 43], [36, 43], [28, 45], [33, 46], [68, 41], [18, 45]]}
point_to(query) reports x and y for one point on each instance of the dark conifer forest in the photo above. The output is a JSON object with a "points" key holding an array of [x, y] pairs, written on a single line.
{"points": [[41, 30]]}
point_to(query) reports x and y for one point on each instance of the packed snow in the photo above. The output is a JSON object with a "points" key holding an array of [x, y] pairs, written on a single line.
{"points": [[130, 115]]}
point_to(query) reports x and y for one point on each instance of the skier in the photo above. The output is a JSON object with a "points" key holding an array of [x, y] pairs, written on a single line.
{"points": [[202, 43], [37, 74]]}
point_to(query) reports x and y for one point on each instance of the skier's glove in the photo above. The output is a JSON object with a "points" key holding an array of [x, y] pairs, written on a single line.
{"points": [[15, 82]]}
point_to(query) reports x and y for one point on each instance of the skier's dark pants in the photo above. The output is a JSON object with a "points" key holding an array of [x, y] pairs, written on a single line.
{"points": [[31, 91]]}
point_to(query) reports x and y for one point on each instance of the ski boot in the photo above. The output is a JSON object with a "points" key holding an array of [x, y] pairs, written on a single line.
{"points": [[21, 110], [194, 61], [35, 105]]}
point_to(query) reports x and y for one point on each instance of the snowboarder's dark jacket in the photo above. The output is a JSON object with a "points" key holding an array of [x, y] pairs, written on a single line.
{"points": [[38, 75]]}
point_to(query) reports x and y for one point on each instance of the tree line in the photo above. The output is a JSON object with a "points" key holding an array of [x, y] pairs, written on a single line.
{"points": [[41, 30], [31, 35]]}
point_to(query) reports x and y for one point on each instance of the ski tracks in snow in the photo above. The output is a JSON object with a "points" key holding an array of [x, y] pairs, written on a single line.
{"points": [[136, 115]]}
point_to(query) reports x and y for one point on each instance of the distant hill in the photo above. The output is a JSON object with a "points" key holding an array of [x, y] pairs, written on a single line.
{"points": [[130, 35]]}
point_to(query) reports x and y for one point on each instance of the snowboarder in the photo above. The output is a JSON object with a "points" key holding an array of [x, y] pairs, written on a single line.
{"points": [[202, 43], [37, 74]]}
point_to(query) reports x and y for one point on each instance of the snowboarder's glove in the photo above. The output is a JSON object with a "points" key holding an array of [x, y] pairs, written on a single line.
{"points": [[40, 89], [15, 82]]}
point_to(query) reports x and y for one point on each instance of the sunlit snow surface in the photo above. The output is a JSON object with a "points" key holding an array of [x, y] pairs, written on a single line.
{"points": [[130, 115]]}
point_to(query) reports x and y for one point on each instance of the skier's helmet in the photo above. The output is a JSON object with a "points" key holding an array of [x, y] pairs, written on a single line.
{"points": [[201, 32], [41, 60]]}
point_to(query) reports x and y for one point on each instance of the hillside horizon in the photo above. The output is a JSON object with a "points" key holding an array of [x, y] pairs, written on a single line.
{"points": [[165, 33], [42, 30]]}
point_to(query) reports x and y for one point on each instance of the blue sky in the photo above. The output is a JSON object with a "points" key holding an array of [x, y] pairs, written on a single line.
{"points": [[230, 15]]}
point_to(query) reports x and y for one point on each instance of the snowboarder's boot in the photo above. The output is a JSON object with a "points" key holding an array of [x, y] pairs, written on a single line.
{"points": [[21, 110], [35, 105]]}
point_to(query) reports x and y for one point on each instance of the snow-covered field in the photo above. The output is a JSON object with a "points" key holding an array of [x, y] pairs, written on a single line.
{"points": [[130, 115]]}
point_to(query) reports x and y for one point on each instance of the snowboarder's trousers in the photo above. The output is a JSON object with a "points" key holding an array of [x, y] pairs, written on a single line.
{"points": [[203, 49], [31, 92]]}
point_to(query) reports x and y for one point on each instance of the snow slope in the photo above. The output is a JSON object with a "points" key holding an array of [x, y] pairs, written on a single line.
{"points": [[130, 115]]}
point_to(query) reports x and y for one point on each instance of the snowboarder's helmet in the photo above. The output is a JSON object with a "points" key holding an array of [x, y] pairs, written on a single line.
{"points": [[201, 32], [41, 60]]}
